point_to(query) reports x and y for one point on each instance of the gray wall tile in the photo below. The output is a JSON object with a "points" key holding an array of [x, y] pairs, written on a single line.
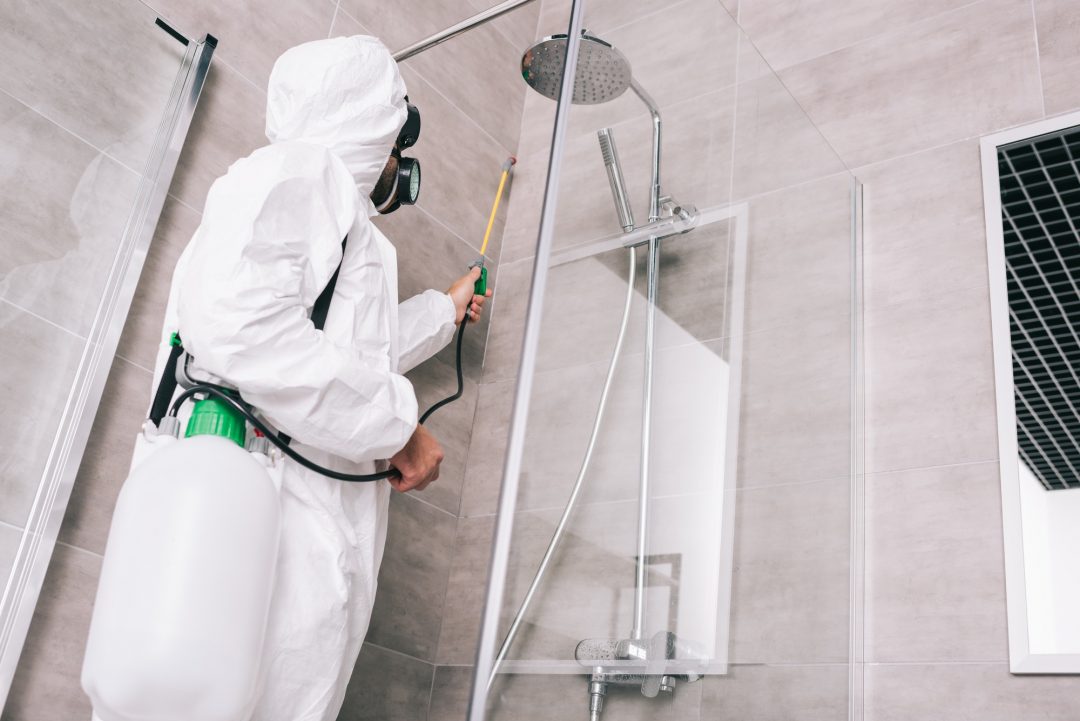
{"points": [[465, 590], [251, 33], [930, 382], [46, 684], [229, 125], [107, 460], [452, 426], [141, 338], [387, 686], [63, 208], [1058, 25], [10, 537], [450, 693], [787, 34], [777, 693], [935, 588], [959, 692], [40, 361], [924, 227], [791, 582], [111, 92], [412, 580], [951, 77]]}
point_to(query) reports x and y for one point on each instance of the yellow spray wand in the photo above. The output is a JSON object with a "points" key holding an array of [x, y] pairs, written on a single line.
{"points": [[480, 288]]}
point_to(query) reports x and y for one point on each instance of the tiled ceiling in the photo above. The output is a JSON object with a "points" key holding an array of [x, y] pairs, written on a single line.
{"points": [[1040, 209]]}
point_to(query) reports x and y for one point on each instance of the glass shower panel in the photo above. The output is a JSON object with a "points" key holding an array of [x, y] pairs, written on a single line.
{"points": [[730, 572]]}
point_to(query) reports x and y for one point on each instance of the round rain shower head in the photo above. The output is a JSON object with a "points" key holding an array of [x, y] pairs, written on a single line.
{"points": [[603, 73]]}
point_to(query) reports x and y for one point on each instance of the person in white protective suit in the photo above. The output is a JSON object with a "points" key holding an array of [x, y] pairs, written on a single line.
{"points": [[269, 241]]}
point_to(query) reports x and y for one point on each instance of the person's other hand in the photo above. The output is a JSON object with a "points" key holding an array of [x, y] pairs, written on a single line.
{"points": [[417, 463], [465, 300]]}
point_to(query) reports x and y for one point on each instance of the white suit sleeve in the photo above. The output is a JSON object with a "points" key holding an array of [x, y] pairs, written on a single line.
{"points": [[269, 241], [425, 326]]}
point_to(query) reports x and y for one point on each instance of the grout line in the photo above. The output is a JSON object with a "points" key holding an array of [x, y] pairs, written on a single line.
{"points": [[72, 133], [431, 691], [894, 471], [184, 203], [1038, 56], [43, 319], [80, 549], [333, 19], [937, 663], [865, 40], [399, 653], [130, 362], [429, 504]]}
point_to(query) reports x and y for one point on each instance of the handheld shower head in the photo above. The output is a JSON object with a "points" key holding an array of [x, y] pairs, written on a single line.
{"points": [[603, 73], [615, 178]]}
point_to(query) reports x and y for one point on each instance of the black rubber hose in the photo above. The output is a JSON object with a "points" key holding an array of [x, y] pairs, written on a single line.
{"points": [[239, 406]]}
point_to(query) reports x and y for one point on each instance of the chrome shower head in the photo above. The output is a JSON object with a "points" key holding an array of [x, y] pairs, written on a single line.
{"points": [[603, 73]]}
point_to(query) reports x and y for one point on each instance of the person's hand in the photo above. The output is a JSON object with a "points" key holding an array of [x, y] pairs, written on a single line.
{"points": [[417, 463], [465, 300]]}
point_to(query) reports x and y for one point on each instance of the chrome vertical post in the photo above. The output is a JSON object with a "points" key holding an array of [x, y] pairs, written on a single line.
{"points": [[504, 523]]}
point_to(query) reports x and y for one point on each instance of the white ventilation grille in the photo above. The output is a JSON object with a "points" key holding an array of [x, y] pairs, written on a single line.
{"points": [[1040, 209]]}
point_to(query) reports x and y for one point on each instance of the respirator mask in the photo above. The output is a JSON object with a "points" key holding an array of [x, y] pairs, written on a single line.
{"points": [[406, 184]]}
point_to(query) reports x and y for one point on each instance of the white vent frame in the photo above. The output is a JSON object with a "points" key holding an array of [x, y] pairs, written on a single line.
{"points": [[1021, 658]]}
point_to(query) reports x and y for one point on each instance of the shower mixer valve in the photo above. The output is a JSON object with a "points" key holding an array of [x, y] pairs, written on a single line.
{"points": [[653, 657]]}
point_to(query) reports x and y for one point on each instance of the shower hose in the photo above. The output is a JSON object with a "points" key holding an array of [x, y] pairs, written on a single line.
{"points": [[560, 528]]}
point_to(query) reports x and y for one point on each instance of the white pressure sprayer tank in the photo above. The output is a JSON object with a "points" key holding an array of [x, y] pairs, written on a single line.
{"points": [[182, 604]]}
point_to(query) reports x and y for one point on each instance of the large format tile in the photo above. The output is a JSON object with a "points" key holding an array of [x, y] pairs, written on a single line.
{"points": [[465, 591], [799, 254], [107, 459], [412, 581], [930, 382], [790, 599], [461, 164], [777, 693], [100, 69], [1058, 24], [519, 26], [228, 124], [541, 698], [477, 72], [39, 362], [795, 418], [776, 144], [387, 686], [450, 693], [790, 33], [10, 538], [962, 692], [924, 227], [452, 426], [46, 684], [142, 336], [251, 33], [429, 255], [935, 588], [954, 76], [63, 210]]}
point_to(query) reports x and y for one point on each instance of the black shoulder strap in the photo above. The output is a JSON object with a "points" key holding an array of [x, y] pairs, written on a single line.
{"points": [[322, 303]]}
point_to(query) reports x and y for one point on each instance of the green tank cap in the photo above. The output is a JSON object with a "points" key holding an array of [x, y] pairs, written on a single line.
{"points": [[212, 417]]}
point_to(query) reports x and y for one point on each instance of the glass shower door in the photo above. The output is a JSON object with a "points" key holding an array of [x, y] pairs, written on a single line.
{"points": [[95, 101], [704, 568]]}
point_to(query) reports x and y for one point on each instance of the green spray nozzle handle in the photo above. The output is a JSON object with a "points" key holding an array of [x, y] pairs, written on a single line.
{"points": [[480, 287]]}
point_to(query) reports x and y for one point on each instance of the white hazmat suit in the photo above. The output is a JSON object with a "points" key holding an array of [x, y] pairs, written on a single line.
{"points": [[269, 241]]}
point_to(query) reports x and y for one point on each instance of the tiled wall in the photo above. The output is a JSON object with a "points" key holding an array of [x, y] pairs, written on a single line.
{"points": [[731, 133], [902, 91], [471, 101]]}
